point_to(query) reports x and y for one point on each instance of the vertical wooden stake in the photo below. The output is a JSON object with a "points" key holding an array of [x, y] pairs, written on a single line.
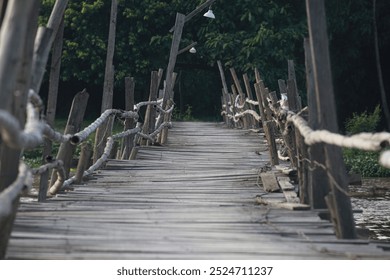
{"points": [[267, 126], [75, 119], [253, 122], [241, 94], [168, 95], [129, 123], [51, 106], [108, 88], [150, 113], [85, 157], [345, 226], [318, 181]]}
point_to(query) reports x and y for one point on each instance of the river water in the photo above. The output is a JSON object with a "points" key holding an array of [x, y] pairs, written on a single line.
{"points": [[373, 198]]}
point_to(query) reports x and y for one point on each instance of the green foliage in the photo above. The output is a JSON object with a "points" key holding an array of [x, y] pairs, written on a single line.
{"points": [[244, 35], [185, 116], [357, 161], [363, 122], [364, 163]]}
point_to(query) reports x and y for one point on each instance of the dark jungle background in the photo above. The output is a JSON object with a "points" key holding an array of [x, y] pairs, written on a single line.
{"points": [[244, 35]]}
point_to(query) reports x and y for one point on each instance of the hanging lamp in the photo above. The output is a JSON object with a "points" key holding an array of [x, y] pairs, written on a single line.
{"points": [[209, 13]]}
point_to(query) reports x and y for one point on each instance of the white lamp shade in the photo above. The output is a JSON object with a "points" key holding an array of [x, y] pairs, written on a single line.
{"points": [[209, 14], [192, 50]]}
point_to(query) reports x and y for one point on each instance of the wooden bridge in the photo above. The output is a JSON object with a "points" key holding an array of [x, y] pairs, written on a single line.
{"points": [[194, 198], [206, 192]]}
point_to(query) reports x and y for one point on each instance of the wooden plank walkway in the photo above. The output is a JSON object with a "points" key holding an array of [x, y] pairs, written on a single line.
{"points": [[194, 198]]}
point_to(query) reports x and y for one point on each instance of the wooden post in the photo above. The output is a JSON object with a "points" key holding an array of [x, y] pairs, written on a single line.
{"points": [[292, 95], [108, 88], [168, 94], [240, 93], [129, 123], [75, 119], [267, 126], [344, 225], [235, 109], [45, 42], [253, 122], [302, 166], [293, 106], [282, 86], [16, 51], [318, 181], [51, 106], [292, 76], [225, 91], [257, 75], [224, 105], [12, 40], [150, 113], [84, 160]]}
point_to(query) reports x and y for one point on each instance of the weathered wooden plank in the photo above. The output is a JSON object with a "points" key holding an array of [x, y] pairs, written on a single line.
{"points": [[158, 207], [288, 191], [270, 183]]}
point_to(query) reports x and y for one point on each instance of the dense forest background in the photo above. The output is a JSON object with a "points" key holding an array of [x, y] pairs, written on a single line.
{"points": [[244, 35]]}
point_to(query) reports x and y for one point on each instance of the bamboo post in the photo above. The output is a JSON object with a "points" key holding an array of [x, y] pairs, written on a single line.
{"points": [[75, 119], [108, 88], [129, 122], [168, 94], [319, 44]]}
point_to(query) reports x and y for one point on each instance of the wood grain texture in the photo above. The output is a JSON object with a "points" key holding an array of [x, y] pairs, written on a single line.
{"points": [[194, 198]]}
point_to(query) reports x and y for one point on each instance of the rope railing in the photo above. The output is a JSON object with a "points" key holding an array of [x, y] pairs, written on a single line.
{"points": [[107, 150], [36, 130], [240, 110], [86, 132], [250, 112], [363, 141], [16, 137]]}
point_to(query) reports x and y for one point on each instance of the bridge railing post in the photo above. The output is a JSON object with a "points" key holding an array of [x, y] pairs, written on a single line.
{"points": [[128, 142], [338, 201], [73, 125]]}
